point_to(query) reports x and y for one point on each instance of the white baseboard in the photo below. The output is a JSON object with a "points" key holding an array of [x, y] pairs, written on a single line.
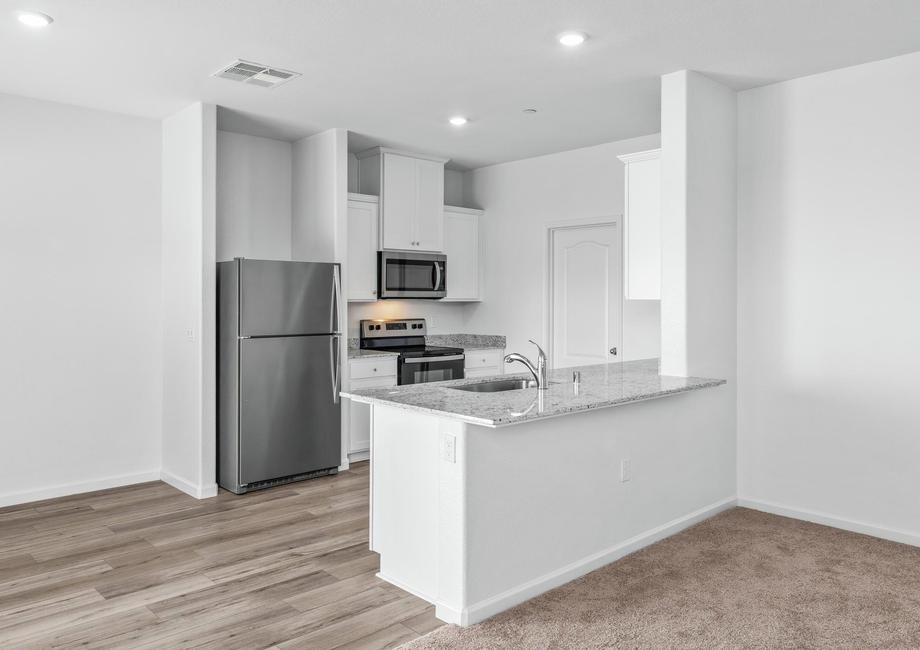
{"points": [[405, 587], [491, 606], [192, 489], [67, 489], [359, 456], [894, 535]]}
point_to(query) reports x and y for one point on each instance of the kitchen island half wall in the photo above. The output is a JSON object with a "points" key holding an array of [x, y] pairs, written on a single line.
{"points": [[476, 515]]}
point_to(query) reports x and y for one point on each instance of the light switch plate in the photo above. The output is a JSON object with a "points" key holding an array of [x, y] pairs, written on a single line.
{"points": [[625, 470], [449, 447]]}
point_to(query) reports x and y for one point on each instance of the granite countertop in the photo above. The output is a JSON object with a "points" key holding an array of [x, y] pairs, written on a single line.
{"points": [[601, 386], [467, 341], [357, 353]]}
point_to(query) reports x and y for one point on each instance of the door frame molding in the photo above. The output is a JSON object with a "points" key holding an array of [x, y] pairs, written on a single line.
{"points": [[550, 229]]}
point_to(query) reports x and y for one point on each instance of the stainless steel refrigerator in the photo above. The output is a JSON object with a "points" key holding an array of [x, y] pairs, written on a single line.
{"points": [[278, 370]]}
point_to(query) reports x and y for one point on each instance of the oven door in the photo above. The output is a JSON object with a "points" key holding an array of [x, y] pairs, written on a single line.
{"points": [[411, 275], [418, 370]]}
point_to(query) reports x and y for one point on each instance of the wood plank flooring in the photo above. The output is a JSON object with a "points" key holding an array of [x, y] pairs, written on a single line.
{"points": [[147, 566]]}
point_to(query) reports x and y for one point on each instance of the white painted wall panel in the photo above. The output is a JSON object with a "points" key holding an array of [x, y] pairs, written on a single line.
{"points": [[253, 197], [829, 309], [189, 299], [80, 391]]}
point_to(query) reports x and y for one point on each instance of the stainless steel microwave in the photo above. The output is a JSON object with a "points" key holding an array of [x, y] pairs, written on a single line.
{"points": [[411, 275]]}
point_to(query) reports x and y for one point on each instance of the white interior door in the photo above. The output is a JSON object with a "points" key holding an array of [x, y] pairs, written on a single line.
{"points": [[586, 295]]}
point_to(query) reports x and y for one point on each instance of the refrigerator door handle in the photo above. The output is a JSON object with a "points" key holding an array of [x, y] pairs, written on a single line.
{"points": [[336, 300], [334, 359]]}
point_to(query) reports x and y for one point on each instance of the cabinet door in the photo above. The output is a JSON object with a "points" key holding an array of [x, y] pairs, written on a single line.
{"points": [[399, 202], [429, 213], [359, 415], [362, 250], [461, 245], [642, 258]]}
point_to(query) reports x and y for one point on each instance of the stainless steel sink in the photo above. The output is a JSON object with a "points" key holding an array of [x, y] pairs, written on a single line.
{"points": [[498, 385]]}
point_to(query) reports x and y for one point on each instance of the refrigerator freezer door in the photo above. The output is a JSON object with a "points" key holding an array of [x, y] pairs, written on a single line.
{"points": [[289, 417], [287, 298]]}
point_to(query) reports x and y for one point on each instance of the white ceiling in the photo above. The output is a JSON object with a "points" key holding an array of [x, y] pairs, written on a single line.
{"points": [[393, 71]]}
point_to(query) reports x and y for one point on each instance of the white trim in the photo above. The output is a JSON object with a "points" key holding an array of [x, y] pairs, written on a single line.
{"points": [[476, 212], [197, 491], [639, 156], [516, 595], [883, 532], [415, 592], [551, 227], [379, 151], [67, 489], [450, 615], [359, 456], [363, 198]]}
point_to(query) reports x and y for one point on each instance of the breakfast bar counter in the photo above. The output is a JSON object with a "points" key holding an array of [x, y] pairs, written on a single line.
{"points": [[486, 492], [600, 386]]}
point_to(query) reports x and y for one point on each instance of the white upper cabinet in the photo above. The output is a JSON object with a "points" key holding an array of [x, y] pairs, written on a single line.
{"points": [[411, 190], [461, 245], [362, 247], [642, 230], [399, 196], [429, 192]]}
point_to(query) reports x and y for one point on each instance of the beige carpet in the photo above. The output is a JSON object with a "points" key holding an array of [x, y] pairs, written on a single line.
{"points": [[743, 579]]}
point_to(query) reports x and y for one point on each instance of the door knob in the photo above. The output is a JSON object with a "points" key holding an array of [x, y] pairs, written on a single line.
{"points": [[613, 351]]}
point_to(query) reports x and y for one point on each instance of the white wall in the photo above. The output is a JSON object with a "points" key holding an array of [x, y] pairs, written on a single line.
{"points": [[442, 317], [454, 191], [189, 299], [80, 391], [520, 199], [320, 197], [829, 358], [698, 227], [253, 197]]}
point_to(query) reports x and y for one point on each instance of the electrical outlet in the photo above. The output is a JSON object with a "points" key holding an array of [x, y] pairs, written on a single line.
{"points": [[625, 470], [449, 447], [190, 334]]}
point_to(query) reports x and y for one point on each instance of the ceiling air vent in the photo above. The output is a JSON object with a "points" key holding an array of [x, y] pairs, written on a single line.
{"points": [[255, 74]]}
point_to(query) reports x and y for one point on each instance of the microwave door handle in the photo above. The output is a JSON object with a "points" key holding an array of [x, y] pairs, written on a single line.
{"points": [[437, 276]]}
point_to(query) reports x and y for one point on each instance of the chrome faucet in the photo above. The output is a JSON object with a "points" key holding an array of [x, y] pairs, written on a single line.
{"points": [[538, 371]]}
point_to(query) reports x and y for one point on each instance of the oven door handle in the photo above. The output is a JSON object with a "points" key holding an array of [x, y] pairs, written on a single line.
{"points": [[452, 357]]}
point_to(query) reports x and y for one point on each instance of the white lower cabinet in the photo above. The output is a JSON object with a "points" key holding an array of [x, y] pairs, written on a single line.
{"points": [[373, 372], [483, 363]]}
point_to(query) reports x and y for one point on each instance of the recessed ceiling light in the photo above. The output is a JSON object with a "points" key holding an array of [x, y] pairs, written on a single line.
{"points": [[572, 39], [34, 18], [458, 120]]}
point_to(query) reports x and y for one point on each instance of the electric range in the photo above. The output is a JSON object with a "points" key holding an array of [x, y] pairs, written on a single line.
{"points": [[417, 361]]}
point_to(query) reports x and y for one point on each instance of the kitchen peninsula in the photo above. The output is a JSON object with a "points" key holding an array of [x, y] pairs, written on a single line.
{"points": [[481, 500]]}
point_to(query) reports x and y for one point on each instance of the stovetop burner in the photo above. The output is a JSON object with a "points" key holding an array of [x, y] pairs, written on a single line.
{"points": [[405, 336], [422, 350]]}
